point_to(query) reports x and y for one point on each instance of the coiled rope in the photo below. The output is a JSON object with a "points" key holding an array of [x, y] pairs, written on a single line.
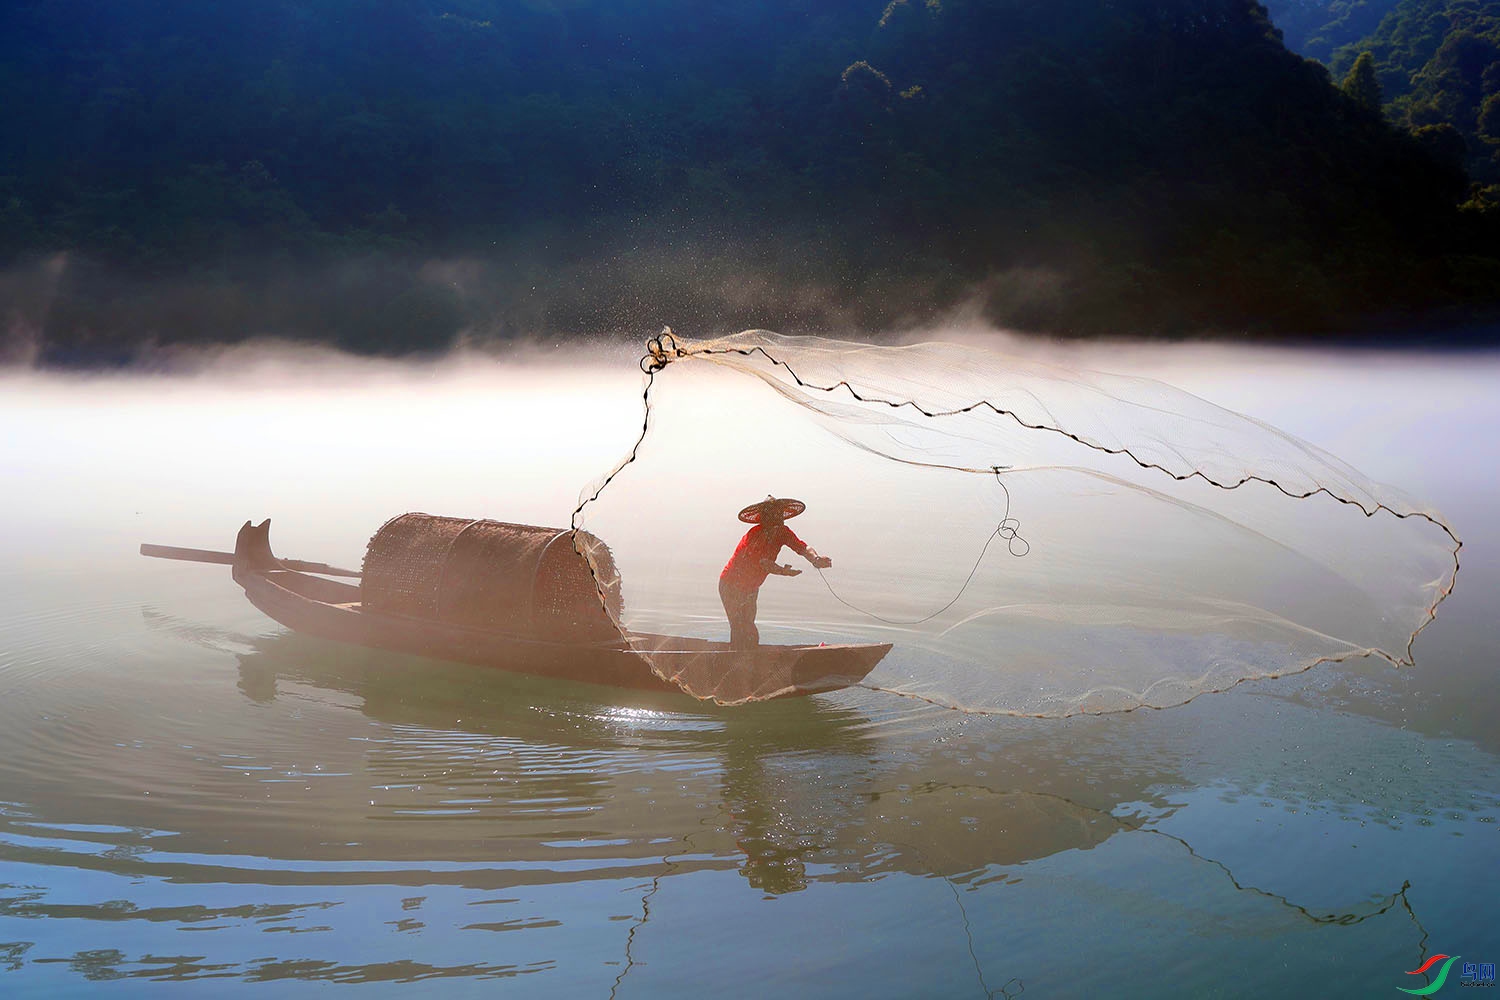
{"points": [[1009, 529]]}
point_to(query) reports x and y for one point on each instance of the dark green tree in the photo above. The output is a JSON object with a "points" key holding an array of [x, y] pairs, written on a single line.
{"points": [[1489, 120], [1361, 83]]}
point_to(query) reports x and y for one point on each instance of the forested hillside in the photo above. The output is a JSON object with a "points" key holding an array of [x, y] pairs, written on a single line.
{"points": [[1438, 63], [1318, 28], [387, 173]]}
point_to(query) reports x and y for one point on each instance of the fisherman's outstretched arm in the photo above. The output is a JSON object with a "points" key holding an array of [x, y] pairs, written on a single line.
{"points": [[804, 550]]}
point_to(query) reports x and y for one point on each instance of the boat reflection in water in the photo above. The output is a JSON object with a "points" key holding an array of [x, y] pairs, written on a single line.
{"points": [[551, 770]]}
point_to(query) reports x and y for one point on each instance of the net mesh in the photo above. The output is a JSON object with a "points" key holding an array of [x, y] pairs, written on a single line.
{"points": [[1031, 539]]}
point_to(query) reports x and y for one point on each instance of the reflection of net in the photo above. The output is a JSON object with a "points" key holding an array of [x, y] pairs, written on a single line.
{"points": [[1177, 547]]}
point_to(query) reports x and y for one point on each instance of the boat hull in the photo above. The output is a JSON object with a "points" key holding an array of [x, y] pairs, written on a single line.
{"points": [[331, 610]]}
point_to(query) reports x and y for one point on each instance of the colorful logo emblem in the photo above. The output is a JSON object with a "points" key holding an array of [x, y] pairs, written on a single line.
{"points": [[1436, 984], [1474, 974]]}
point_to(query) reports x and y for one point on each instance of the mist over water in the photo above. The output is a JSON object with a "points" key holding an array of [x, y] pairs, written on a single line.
{"points": [[327, 448], [188, 791]]}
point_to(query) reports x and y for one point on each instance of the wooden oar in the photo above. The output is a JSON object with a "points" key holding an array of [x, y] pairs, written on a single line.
{"points": [[227, 559]]}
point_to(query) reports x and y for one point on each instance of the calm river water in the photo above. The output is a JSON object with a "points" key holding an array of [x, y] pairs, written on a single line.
{"points": [[190, 793]]}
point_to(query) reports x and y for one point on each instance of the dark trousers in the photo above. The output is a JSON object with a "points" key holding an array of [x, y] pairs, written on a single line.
{"points": [[739, 608]]}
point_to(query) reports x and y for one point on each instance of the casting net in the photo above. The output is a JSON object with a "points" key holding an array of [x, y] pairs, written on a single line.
{"points": [[1031, 539]]}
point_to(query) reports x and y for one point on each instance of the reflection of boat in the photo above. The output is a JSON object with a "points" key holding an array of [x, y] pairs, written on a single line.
{"points": [[515, 597]]}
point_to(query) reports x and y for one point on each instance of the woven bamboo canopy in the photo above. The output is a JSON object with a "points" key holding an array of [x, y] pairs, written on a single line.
{"points": [[517, 578]]}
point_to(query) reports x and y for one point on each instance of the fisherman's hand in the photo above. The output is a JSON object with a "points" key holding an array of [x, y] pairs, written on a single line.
{"points": [[789, 570], [821, 562]]}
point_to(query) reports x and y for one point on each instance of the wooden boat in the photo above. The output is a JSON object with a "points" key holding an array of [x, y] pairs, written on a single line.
{"points": [[514, 597]]}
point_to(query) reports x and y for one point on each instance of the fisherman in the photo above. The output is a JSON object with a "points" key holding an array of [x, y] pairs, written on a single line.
{"points": [[754, 559]]}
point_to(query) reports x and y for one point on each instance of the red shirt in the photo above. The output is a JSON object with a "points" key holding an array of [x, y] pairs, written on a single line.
{"points": [[760, 542]]}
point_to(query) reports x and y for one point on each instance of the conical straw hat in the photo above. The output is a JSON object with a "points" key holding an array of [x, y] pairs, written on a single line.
{"points": [[754, 513]]}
